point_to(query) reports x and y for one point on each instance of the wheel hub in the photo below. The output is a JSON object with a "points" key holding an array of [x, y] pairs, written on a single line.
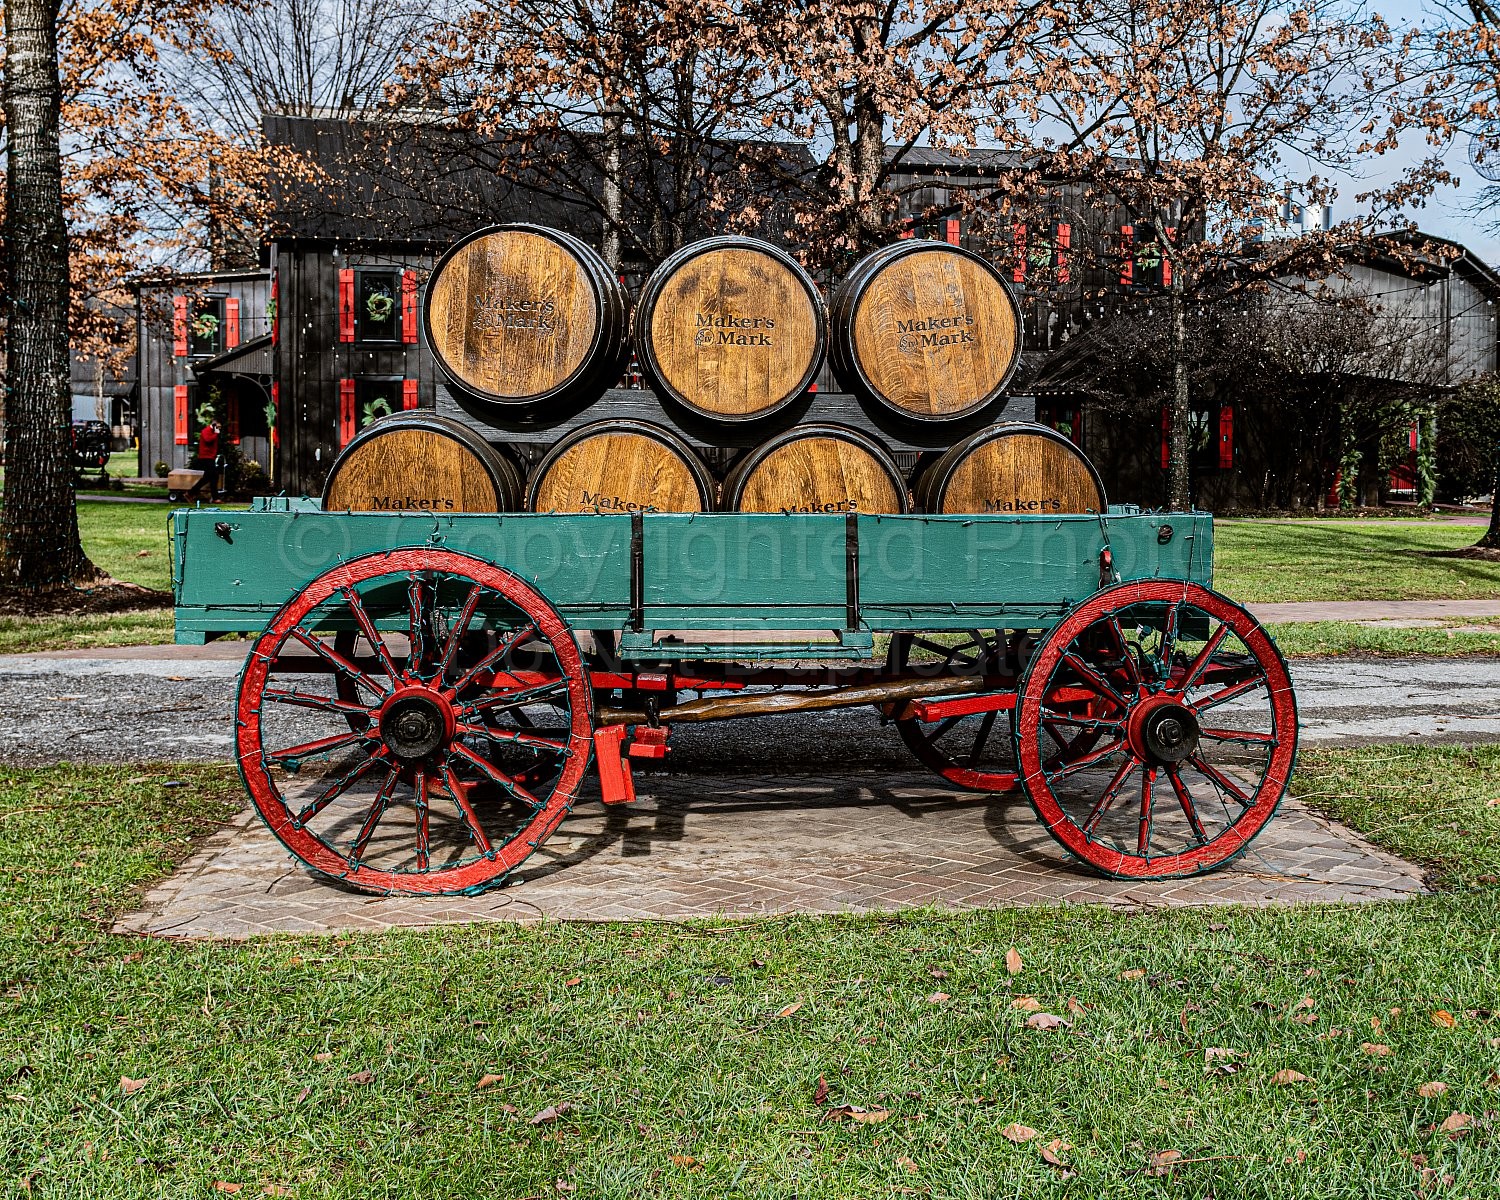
{"points": [[1164, 732], [415, 722]]}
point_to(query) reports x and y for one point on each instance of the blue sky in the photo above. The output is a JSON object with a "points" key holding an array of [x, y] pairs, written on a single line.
{"points": [[1449, 213]]}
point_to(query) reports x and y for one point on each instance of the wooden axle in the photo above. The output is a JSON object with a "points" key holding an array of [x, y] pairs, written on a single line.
{"points": [[762, 704]]}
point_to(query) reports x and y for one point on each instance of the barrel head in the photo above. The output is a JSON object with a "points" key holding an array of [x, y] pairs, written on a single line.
{"points": [[619, 470], [935, 333], [1017, 471], [821, 473], [512, 314], [414, 470]]}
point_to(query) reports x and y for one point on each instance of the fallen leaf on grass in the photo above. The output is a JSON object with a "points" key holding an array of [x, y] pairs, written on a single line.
{"points": [[275, 1189], [551, 1113], [323, 1056], [790, 1009], [574, 982], [1493, 1080], [820, 1093], [1375, 1049], [1161, 1162], [230, 1188], [938, 973], [1435, 1088], [1075, 1006], [1305, 1002], [687, 1162], [1045, 1020], [1221, 1060], [907, 1165], [861, 1116], [1027, 1004], [1182, 1017], [1018, 1133], [1013, 962], [302, 1095], [937, 997], [1052, 1152], [1306, 1018], [1443, 1018], [1456, 1122], [1286, 1076], [131, 1086], [362, 1077], [1133, 974], [488, 1081]]}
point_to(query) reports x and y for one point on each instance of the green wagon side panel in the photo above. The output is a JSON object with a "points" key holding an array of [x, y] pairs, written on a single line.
{"points": [[700, 572]]}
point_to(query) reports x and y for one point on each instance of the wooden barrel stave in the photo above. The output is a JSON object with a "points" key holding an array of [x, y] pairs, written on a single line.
{"points": [[523, 315], [420, 462], [815, 469], [926, 329], [731, 328], [1017, 467], [621, 465]]}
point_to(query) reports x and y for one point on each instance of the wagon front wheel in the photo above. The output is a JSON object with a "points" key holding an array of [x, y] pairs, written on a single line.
{"points": [[1192, 710], [382, 748]]}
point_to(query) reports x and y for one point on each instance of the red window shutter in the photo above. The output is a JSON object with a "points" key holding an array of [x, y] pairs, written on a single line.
{"points": [[1062, 248], [1018, 237], [231, 323], [1226, 437], [409, 307], [179, 327], [953, 230], [275, 313], [232, 419], [1166, 438], [347, 421], [1166, 265], [409, 398], [180, 414], [346, 305], [1127, 255]]}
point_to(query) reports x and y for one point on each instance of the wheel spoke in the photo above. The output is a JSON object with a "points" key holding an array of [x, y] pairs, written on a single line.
{"points": [[500, 701], [943, 727], [417, 612], [1088, 724], [1109, 795], [322, 703], [1189, 809], [460, 627], [1131, 667], [372, 635], [1169, 640], [1247, 737], [321, 746], [340, 663], [1210, 648], [987, 724], [494, 656], [1220, 780], [1088, 760], [339, 786], [1143, 836], [519, 737], [466, 813], [1091, 676], [424, 848], [1226, 694], [378, 806], [506, 784]]}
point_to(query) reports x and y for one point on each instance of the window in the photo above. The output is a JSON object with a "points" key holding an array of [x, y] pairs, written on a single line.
{"points": [[206, 328], [377, 306], [375, 398]]}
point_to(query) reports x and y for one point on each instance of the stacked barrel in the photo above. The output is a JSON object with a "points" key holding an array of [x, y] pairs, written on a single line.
{"points": [[531, 329]]}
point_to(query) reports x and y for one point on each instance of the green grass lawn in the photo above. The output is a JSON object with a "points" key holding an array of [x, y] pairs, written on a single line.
{"points": [[1304, 639], [688, 1060], [129, 541], [1264, 561]]}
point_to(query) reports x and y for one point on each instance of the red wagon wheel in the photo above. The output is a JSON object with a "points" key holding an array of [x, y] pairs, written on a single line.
{"points": [[413, 762], [973, 750], [1196, 724]]}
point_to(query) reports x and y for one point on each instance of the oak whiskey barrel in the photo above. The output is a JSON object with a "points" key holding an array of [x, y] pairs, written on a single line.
{"points": [[929, 330], [816, 469], [522, 315], [1017, 468], [621, 465], [731, 328], [420, 462]]}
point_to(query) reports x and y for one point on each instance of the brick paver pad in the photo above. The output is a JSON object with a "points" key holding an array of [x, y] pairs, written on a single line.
{"points": [[739, 846]]}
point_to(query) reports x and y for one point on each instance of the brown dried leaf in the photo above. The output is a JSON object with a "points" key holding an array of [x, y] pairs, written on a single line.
{"points": [[1018, 1133], [1306, 1018], [1045, 1020], [1053, 1151], [1443, 1018], [1493, 1080], [131, 1086], [362, 1077], [790, 1009], [551, 1113], [488, 1081], [1287, 1076], [574, 982], [1456, 1122], [907, 1165], [820, 1093], [937, 997], [687, 1162], [1075, 1006], [1161, 1162], [1305, 1002], [867, 1116], [1132, 975], [1013, 962], [1431, 1089], [1026, 1004], [302, 1095], [323, 1056], [938, 973], [1375, 1049], [229, 1188]]}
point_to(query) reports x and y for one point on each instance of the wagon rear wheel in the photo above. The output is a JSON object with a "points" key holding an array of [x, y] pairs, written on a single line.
{"points": [[1195, 723], [415, 722]]}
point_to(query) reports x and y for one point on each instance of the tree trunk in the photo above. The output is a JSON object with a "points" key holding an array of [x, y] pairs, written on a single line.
{"points": [[39, 543], [614, 208], [1180, 418], [1491, 539]]}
